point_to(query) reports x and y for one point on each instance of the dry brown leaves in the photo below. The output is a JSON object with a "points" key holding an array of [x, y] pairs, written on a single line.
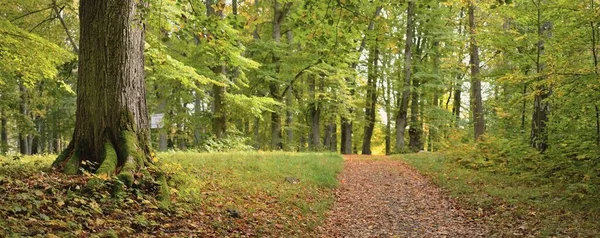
{"points": [[382, 198]]}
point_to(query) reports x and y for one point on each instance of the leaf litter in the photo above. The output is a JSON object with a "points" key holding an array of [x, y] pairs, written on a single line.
{"points": [[378, 197]]}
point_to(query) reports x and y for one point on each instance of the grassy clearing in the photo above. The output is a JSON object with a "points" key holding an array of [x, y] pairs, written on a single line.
{"points": [[217, 194], [514, 204]]}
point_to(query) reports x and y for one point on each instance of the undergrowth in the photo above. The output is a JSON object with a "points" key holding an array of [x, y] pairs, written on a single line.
{"points": [[518, 190]]}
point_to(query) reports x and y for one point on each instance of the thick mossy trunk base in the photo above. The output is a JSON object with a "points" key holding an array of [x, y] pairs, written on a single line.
{"points": [[127, 163]]}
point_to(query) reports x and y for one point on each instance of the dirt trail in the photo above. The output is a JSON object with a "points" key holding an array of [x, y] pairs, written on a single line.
{"points": [[382, 198]]}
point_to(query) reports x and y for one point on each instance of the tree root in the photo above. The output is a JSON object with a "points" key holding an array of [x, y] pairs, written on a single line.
{"points": [[125, 159]]}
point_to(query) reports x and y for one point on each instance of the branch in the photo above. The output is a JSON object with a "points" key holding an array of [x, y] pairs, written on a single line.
{"points": [[30, 13], [298, 76], [64, 25], [39, 24]]}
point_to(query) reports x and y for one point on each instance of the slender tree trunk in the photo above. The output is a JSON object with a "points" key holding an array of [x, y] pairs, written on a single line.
{"points": [[346, 136], [597, 125], [541, 108], [456, 103], [346, 122], [477, 101], [112, 131], [523, 108], [35, 140], [256, 133], [403, 101], [434, 132], [595, 59], [23, 141], [371, 103], [415, 131], [315, 115], [333, 147], [289, 117], [276, 133], [218, 91], [3, 134], [327, 136], [388, 109], [289, 103]]}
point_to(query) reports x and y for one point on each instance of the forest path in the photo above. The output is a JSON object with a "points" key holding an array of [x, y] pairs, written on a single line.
{"points": [[378, 197]]}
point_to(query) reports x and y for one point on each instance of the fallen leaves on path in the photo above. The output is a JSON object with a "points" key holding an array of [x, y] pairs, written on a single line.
{"points": [[382, 198]]}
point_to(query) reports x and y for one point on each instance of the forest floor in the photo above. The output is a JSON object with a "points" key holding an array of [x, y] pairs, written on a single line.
{"points": [[379, 197]]}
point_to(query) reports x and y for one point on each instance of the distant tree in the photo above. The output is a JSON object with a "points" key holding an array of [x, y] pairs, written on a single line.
{"points": [[476, 99]]}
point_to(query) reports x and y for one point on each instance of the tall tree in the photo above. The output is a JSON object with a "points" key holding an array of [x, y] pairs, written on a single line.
{"points": [[371, 101], [401, 116], [476, 99], [346, 121], [279, 13], [415, 130], [111, 129], [541, 107]]}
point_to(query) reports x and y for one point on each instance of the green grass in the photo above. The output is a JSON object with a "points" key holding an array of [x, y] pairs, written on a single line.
{"points": [[254, 183], [205, 188], [512, 203]]}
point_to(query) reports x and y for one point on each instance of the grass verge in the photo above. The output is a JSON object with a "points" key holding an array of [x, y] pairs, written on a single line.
{"points": [[215, 195], [513, 204]]}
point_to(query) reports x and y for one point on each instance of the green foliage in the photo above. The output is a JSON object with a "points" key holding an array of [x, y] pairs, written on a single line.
{"points": [[228, 144], [28, 57]]}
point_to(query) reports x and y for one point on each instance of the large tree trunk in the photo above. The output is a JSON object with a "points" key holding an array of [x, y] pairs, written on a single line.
{"points": [[371, 103], [477, 101], [403, 101], [112, 134]]}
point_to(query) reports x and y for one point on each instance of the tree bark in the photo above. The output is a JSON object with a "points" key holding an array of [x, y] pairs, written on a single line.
{"points": [[276, 133], [315, 116], [327, 136], [218, 92], [415, 130], [346, 121], [371, 103], [346, 134], [3, 134], [477, 101], [403, 101], [23, 107], [289, 117], [112, 133], [541, 108], [256, 133]]}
